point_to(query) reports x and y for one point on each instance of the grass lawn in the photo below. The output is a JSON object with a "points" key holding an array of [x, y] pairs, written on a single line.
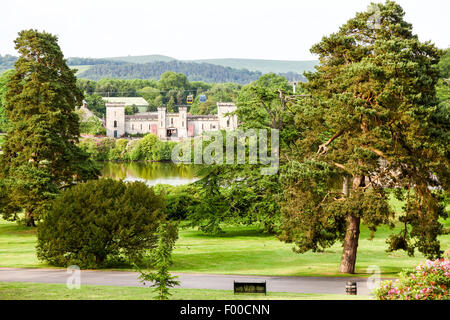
{"points": [[241, 250], [39, 291]]}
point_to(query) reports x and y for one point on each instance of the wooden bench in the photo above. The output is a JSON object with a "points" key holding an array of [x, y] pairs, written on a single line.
{"points": [[250, 287]]}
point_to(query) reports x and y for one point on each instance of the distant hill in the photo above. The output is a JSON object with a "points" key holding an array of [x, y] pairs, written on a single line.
{"points": [[194, 71], [264, 66], [142, 59], [74, 61], [152, 66], [6, 62]]}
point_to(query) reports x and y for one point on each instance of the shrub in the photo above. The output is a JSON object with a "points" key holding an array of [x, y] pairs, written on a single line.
{"points": [[119, 149], [180, 200], [92, 126], [98, 149], [148, 147], [428, 281], [133, 151], [165, 150], [99, 222]]}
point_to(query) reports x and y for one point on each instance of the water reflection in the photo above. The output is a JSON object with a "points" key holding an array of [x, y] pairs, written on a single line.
{"points": [[151, 173]]}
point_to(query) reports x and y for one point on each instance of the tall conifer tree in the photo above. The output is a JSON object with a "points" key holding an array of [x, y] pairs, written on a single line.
{"points": [[40, 155], [373, 121]]}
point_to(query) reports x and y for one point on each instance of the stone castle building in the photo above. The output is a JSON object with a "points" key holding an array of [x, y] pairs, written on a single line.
{"points": [[167, 126]]}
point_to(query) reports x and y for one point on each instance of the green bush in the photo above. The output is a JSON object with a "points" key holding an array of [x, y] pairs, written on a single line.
{"points": [[148, 147], [179, 200], [133, 151], [165, 150], [97, 148], [428, 281], [96, 223], [92, 126], [118, 152]]}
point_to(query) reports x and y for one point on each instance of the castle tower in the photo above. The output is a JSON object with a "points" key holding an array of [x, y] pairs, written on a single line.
{"points": [[182, 114], [162, 125], [115, 119], [226, 122]]}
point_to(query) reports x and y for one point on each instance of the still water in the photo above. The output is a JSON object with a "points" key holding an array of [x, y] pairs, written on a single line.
{"points": [[151, 173]]}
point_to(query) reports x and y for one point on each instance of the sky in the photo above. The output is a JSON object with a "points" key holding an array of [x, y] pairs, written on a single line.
{"points": [[202, 29]]}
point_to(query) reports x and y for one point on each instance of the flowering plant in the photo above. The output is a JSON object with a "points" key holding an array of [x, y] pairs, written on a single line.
{"points": [[428, 281]]}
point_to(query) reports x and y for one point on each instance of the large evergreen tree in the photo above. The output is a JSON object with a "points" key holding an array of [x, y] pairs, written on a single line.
{"points": [[40, 155], [373, 121]]}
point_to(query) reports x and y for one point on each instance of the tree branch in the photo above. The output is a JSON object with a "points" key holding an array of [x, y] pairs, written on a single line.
{"points": [[340, 166], [269, 113], [283, 105], [376, 178], [377, 152], [323, 147], [323, 200]]}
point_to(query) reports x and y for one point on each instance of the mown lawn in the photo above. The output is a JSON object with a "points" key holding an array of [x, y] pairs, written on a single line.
{"points": [[39, 291], [241, 250]]}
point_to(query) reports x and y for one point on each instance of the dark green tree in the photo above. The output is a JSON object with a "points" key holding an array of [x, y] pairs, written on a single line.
{"points": [[40, 155], [173, 81], [262, 103], [130, 110], [96, 104], [95, 224], [373, 121]]}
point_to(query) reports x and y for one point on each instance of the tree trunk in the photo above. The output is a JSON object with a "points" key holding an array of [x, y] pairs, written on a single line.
{"points": [[348, 261], [29, 219]]}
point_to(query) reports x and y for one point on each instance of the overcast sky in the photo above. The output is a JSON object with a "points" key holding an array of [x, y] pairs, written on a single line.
{"points": [[201, 29]]}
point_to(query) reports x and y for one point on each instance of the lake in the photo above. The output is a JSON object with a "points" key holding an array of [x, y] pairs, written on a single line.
{"points": [[151, 173]]}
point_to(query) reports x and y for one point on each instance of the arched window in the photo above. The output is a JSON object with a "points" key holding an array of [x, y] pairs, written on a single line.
{"points": [[115, 123]]}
